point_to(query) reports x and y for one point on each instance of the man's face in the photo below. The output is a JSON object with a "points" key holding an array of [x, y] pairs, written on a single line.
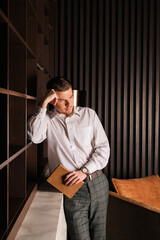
{"points": [[64, 104]]}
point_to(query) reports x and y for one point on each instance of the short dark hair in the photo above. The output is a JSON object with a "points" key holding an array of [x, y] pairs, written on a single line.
{"points": [[58, 83]]}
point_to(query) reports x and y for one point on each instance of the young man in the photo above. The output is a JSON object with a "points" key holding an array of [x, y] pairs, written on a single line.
{"points": [[76, 139]]}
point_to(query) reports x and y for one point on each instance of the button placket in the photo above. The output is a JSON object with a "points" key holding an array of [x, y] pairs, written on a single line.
{"points": [[70, 135], [71, 139]]}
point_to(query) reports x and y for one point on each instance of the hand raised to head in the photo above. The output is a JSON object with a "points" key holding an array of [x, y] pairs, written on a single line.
{"points": [[50, 97]]}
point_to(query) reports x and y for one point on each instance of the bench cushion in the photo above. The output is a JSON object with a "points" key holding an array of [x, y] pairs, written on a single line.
{"points": [[146, 190]]}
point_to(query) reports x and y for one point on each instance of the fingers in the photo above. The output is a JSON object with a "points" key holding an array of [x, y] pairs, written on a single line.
{"points": [[51, 96], [74, 178], [71, 179]]}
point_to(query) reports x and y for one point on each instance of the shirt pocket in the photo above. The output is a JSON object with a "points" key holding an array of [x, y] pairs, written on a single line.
{"points": [[84, 135]]}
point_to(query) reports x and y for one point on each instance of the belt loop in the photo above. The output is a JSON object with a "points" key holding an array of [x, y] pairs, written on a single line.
{"points": [[90, 177]]}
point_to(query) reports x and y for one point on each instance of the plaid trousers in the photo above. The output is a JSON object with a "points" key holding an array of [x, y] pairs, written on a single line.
{"points": [[86, 211]]}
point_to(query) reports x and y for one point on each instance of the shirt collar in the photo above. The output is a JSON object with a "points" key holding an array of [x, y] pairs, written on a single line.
{"points": [[76, 111], [53, 113]]}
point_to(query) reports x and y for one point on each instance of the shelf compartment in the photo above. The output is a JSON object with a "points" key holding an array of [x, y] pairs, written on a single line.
{"points": [[17, 16], [31, 108], [46, 56], [16, 185], [4, 53], [31, 28], [31, 75], [3, 124], [17, 64], [40, 12], [40, 48], [4, 7], [46, 78], [31, 167], [16, 124], [40, 84], [46, 29], [51, 52], [3, 201], [42, 159], [34, 4]]}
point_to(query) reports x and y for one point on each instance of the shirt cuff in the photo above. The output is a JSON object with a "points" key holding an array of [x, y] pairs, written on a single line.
{"points": [[91, 166]]}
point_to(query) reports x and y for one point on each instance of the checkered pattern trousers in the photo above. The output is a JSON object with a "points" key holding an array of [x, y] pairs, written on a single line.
{"points": [[86, 211]]}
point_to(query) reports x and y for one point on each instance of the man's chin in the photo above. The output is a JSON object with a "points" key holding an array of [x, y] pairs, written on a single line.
{"points": [[66, 111], [69, 110]]}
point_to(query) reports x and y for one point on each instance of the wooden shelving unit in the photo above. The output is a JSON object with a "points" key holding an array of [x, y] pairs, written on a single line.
{"points": [[26, 64]]}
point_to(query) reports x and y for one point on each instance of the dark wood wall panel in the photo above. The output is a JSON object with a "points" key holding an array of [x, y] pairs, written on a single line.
{"points": [[111, 49], [125, 124], [157, 91]]}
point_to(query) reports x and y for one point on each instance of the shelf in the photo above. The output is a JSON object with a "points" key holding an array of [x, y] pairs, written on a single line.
{"points": [[17, 64], [16, 124], [31, 28], [3, 201], [3, 124], [3, 55], [31, 167], [18, 20], [26, 63], [31, 75], [16, 185]]}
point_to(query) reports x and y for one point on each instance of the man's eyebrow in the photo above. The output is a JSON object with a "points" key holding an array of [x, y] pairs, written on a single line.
{"points": [[64, 99], [61, 99]]}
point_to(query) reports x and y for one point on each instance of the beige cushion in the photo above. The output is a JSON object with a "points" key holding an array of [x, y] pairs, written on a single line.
{"points": [[146, 190]]}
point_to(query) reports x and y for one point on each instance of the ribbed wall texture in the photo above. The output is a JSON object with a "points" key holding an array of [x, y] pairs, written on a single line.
{"points": [[111, 49]]}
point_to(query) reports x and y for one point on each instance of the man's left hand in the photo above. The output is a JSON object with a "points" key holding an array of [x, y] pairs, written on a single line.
{"points": [[74, 177]]}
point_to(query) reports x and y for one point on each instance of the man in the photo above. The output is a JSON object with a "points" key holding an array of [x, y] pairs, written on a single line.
{"points": [[76, 139]]}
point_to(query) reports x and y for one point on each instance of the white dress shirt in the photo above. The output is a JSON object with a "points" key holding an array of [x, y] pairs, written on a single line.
{"points": [[76, 141]]}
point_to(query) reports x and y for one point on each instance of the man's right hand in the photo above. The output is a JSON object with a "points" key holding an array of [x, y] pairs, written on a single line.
{"points": [[50, 97]]}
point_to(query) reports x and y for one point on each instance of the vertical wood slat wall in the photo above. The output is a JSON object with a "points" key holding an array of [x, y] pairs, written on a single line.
{"points": [[111, 49]]}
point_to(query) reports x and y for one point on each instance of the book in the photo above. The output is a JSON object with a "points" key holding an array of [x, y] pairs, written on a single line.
{"points": [[56, 179]]}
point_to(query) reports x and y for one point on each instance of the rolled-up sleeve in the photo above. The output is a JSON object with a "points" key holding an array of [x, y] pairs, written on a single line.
{"points": [[37, 126], [100, 156]]}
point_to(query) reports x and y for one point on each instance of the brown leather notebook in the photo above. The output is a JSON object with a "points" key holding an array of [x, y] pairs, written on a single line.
{"points": [[56, 179]]}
